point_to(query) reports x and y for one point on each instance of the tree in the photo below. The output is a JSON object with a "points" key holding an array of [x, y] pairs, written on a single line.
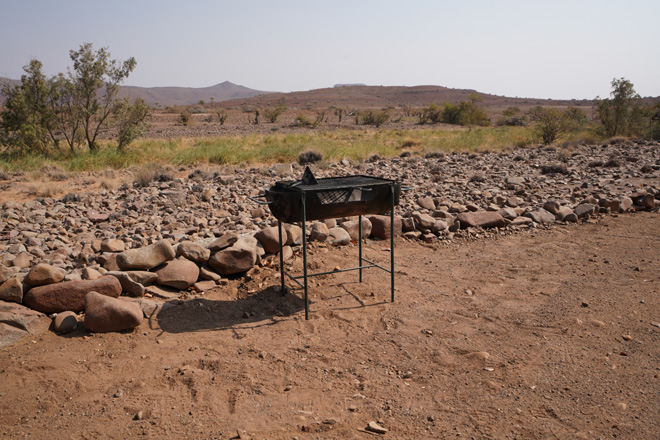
{"points": [[26, 123], [130, 121], [622, 114], [550, 123], [96, 78]]}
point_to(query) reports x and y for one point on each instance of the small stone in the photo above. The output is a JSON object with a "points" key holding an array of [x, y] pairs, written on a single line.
{"points": [[626, 337], [65, 322], [375, 427]]}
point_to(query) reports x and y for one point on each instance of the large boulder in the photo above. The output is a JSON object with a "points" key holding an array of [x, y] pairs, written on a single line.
{"points": [[338, 236], [293, 234], [380, 226], [12, 290], [481, 219], [5, 273], [541, 216], [238, 258], [43, 274], [319, 232], [193, 252], [147, 257], [69, 295], [17, 321], [223, 242], [270, 239], [353, 228], [128, 284], [180, 274], [423, 221], [106, 314]]}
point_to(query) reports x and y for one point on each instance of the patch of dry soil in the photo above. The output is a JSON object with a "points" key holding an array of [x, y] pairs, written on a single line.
{"points": [[546, 334]]}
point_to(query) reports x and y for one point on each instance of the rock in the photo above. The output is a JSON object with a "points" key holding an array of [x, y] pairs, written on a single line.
{"points": [[269, 238], [5, 273], [203, 286], [17, 321], [163, 292], [319, 232], [613, 205], [426, 203], [112, 245], [69, 295], [423, 221], [293, 234], [43, 274], [238, 258], [179, 274], [89, 273], [338, 236], [375, 427], [193, 252], [330, 222], [585, 210], [206, 274], [109, 261], [521, 221], [353, 228], [65, 322], [508, 213], [540, 216], [128, 285], [147, 257], [563, 212], [482, 219], [95, 217], [626, 203], [645, 200], [22, 261], [12, 290], [287, 253], [552, 206], [439, 226], [223, 242], [515, 180], [143, 277], [106, 314], [381, 226]]}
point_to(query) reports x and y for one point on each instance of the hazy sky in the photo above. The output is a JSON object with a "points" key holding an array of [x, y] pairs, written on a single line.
{"points": [[540, 49]]}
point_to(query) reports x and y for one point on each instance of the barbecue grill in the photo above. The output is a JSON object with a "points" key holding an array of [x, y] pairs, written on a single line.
{"points": [[334, 197]]}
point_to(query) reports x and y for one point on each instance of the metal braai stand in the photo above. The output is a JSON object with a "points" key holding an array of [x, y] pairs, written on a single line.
{"points": [[334, 197]]}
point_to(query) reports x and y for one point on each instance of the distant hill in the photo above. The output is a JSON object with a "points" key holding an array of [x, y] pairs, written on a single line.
{"points": [[165, 96], [361, 97]]}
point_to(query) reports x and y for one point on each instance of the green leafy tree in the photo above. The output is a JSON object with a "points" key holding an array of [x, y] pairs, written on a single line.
{"points": [[26, 123], [96, 79], [466, 112], [622, 114], [130, 121], [550, 123]]}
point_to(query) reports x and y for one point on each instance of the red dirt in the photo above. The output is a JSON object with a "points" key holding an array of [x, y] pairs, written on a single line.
{"points": [[543, 334]]}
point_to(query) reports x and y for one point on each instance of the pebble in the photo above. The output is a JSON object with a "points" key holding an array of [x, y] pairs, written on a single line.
{"points": [[375, 427]]}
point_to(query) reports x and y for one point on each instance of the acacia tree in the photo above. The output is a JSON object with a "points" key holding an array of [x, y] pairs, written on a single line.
{"points": [[622, 114], [26, 121], [39, 113], [96, 80]]}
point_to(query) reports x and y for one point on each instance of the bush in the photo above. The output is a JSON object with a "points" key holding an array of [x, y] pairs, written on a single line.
{"points": [[622, 114], [465, 113], [512, 117], [186, 117], [431, 114], [550, 123], [271, 114], [310, 156], [371, 117], [222, 116]]}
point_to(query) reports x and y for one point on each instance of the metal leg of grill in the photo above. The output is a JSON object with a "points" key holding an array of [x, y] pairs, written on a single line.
{"points": [[279, 230], [360, 245], [392, 241], [304, 244]]}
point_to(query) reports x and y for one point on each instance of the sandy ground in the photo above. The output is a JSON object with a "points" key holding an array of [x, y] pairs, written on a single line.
{"points": [[542, 334]]}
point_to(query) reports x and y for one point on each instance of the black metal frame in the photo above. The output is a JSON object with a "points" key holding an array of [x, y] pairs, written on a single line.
{"points": [[361, 260]]}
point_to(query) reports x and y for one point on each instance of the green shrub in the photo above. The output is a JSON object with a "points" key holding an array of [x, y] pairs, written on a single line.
{"points": [[376, 118], [186, 117]]}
